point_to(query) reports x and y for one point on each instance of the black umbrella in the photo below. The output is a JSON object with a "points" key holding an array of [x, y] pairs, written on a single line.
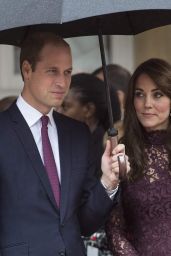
{"points": [[71, 18], [81, 17]]}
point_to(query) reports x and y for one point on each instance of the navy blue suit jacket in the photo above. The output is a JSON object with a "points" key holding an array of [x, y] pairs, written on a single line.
{"points": [[30, 222]]}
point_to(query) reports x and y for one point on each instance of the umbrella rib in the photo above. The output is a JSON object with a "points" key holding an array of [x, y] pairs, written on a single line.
{"points": [[62, 5]]}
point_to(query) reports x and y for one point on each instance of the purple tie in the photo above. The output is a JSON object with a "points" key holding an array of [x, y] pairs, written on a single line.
{"points": [[49, 160]]}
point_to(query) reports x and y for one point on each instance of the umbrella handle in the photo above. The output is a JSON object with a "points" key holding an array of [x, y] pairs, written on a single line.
{"points": [[121, 159]]}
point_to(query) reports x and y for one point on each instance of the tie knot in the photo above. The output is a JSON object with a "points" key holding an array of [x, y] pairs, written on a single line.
{"points": [[45, 120]]}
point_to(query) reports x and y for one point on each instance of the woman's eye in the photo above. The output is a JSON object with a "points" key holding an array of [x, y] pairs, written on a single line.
{"points": [[158, 94], [138, 94]]}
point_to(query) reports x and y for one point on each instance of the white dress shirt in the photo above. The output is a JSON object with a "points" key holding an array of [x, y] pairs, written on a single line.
{"points": [[32, 117]]}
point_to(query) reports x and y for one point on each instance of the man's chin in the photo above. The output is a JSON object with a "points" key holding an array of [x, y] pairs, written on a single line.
{"points": [[57, 104]]}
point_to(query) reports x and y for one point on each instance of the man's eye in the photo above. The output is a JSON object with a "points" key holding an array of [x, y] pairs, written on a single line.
{"points": [[51, 71], [68, 72]]}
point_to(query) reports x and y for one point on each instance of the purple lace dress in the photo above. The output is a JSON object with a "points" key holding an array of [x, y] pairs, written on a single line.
{"points": [[141, 224]]}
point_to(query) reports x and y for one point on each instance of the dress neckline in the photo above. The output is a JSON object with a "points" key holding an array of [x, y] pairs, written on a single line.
{"points": [[157, 137]]}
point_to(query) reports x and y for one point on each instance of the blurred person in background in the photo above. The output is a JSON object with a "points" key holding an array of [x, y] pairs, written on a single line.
{"points": [[6, 102], [86, 102], [118, 78]]}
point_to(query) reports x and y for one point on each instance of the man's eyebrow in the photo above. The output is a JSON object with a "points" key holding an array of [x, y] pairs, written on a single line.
{"points": [[71, 68], [52, 67]]}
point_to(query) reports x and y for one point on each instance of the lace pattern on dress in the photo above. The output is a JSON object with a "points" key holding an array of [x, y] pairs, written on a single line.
{"points": [[141, 224]]}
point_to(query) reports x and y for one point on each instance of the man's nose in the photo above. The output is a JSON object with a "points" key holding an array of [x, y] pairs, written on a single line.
{"points": [[60, 80]]}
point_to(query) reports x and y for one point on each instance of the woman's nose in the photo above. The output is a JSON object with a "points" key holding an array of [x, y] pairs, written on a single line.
{"points": [[148, 102]]}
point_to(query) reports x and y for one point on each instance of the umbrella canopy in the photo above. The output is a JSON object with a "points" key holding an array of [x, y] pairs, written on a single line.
{"points": [[71, 18]]}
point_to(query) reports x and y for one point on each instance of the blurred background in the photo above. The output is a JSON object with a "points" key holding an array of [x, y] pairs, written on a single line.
{"points": [[127, 51]]}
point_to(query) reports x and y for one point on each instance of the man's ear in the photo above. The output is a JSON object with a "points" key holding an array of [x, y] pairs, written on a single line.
{"points": [[26, 70], [90, 109]]}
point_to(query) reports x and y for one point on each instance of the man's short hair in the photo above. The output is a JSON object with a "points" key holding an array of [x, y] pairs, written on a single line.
{"points": [[34, 43]]}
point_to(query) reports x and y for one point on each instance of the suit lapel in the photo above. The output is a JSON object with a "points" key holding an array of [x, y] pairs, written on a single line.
{"points": [[64, 137], [25, 136]]}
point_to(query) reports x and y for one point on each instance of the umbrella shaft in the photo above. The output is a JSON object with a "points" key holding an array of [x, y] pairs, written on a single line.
{"points": [[107, 88]]}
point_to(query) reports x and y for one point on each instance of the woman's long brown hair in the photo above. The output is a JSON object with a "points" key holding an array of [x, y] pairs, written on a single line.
{"points": [[160, 72]]}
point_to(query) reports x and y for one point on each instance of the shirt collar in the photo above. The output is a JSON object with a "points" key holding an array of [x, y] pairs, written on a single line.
{"points": [[32, 115]]}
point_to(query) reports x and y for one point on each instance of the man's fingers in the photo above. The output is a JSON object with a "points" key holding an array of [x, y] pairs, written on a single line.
{"points": [[108, 148], [120, 148]]}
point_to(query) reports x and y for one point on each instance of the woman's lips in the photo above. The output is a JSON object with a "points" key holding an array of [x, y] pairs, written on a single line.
{"points": [[148, 114]]}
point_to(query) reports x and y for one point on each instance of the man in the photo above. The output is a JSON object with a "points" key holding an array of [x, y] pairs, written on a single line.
{"points": [[43, 213]]}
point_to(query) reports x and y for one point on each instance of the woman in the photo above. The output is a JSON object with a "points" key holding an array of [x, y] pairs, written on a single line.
{"points": [[142, 223]]}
